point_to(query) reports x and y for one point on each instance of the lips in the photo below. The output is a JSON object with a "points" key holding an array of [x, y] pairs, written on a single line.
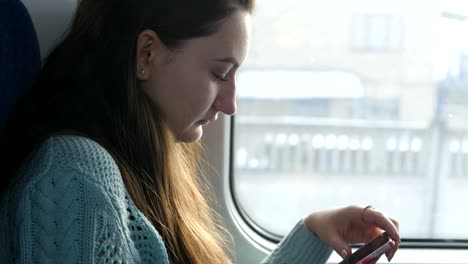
{"points": [[205, 122]]}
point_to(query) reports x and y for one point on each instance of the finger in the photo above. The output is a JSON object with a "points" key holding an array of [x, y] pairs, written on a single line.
{"points": [[341, 247], [375, 217], [390, 225], [395, 222], [397, 242]]}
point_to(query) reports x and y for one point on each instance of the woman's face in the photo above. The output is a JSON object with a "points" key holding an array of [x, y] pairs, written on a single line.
{"points": [[191, 85]]}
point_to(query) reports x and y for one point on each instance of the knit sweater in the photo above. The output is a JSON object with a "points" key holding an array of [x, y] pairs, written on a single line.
{"points": [[69, 205]]}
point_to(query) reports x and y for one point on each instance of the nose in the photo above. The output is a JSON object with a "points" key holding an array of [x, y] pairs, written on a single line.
{"points": [[225, 102]]}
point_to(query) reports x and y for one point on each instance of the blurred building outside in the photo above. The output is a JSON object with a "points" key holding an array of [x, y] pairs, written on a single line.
{"points": [[356, 101]]}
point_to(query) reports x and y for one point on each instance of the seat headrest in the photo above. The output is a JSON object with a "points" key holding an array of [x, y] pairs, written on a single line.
{"points": [[20, 59], [8, 1]]}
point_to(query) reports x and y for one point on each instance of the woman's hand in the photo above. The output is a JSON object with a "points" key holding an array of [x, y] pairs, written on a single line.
{"points": [[340, 228]]}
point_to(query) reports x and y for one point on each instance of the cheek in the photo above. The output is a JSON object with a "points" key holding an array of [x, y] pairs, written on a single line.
{"points": [[164, 95], [185, 101], [184, 95], [199, 93]]}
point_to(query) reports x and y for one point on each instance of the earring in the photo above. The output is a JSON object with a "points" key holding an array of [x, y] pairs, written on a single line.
{"points": [[141, 70]]}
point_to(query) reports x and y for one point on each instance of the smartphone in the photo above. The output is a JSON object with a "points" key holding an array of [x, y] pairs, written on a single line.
{"points": [[371, 251]]}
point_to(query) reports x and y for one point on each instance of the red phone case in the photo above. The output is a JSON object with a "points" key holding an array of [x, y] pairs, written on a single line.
{"points": [[371, 251]]}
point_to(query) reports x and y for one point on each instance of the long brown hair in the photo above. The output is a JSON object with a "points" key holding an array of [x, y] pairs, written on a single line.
{"points": [[88, 85]]}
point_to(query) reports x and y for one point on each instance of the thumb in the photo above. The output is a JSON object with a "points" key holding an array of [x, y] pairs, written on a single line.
{"points": [[341, 247]]}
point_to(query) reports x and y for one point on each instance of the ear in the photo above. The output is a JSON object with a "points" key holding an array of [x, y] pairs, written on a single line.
{"points": [[149, 47]]}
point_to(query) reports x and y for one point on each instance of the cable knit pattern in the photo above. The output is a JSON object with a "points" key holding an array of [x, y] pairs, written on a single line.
{"points": [[69, 205]]}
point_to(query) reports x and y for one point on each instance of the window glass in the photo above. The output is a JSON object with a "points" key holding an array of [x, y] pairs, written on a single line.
{"points": [[355, 102]]}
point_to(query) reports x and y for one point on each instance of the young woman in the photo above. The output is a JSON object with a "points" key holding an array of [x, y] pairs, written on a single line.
{"points": [[100, 158]]}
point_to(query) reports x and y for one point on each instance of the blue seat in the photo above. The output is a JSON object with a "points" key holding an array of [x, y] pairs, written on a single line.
{"points": [[20, 58]]}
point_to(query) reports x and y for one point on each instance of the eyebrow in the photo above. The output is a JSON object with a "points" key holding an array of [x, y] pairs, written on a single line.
{"points": [[231, 60]]}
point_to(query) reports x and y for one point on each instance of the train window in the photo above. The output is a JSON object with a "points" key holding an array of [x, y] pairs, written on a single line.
{"points": [[355, 102]]}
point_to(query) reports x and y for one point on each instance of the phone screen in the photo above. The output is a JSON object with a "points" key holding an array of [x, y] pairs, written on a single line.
{"points": [[370, 251]]}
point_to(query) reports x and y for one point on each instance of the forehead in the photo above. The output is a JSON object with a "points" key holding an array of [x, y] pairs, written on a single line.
{"points": [[231, 40]]}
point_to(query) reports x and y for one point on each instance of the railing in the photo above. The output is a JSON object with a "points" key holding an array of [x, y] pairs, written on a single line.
{"points": [[418, 172], [299, 145]]}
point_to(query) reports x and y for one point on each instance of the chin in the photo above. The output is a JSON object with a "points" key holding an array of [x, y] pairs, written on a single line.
{"points": [[191, 135]]}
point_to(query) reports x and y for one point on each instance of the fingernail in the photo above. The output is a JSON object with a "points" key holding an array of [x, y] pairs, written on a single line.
{"points": [[344, 253]]}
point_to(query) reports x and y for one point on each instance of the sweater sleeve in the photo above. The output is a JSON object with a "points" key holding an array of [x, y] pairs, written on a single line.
{"points": [[299, 246], [67, 218]]}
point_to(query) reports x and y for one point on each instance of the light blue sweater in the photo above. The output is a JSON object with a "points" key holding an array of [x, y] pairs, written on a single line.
{"points": [[70, 205]]}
